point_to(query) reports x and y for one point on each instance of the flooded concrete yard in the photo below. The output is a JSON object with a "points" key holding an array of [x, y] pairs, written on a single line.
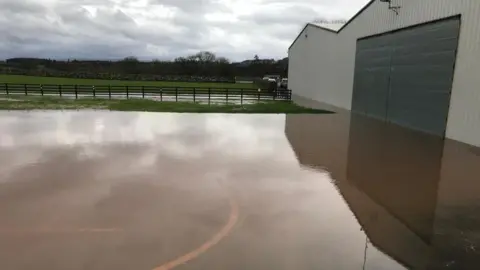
{"points": [[122, 190]]}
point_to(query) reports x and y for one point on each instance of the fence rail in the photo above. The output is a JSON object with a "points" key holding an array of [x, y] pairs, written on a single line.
{"points": [[195, 94]]}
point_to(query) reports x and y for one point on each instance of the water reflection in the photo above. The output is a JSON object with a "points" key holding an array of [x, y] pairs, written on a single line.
{"points": [[156, 176], [179, 134], [416, 197], [333, 193]]}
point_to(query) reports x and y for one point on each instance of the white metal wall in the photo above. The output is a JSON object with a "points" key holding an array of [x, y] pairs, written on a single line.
{"points": [[321, 66]]}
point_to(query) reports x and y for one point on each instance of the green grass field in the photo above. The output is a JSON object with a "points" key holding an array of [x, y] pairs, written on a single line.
{"points": [[54, 103], [20, 79]]}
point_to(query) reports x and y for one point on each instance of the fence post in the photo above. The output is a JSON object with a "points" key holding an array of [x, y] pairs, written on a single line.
{"points": [[60, 89], [109, 92], [25, 87], [259, 95], [161, 94], [93, 89], [41, 89], [127, 90], [209, 95], [143, 91], [76, 92], [6, 88], [176, 94], [227, 95], [241, 96], [193, 94]]}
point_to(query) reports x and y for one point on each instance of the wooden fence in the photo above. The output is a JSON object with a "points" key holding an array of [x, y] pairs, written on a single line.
{"points": [[204, 95]]}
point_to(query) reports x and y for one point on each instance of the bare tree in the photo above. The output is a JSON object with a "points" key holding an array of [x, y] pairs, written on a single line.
{"points": [[222, 60], [206, 57], [130, 59]]}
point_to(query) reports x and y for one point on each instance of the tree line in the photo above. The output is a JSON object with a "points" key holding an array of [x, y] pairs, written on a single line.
{"points": [[200, 66]]}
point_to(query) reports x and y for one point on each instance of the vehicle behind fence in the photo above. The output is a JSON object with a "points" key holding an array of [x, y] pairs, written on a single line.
{"points": [[193, 94]]}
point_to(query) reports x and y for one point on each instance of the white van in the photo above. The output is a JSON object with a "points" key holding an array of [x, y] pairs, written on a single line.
{"points": [[269, 79]]}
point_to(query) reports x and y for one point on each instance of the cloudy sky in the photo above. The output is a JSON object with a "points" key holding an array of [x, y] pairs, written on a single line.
{"points": [[159, 29]]}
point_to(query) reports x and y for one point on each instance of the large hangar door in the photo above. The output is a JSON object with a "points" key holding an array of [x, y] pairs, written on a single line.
{"points": [[420, 76]]}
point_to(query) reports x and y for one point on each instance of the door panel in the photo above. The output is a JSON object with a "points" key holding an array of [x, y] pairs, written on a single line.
{"points": [[405, 77], [371, 80], [424, 57]]}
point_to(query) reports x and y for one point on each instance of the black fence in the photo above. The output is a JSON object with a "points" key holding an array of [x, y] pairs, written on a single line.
{"points": [[195, 94]]}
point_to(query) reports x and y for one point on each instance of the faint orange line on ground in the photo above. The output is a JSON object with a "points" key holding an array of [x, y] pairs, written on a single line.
{"points": [[59, 230], [232, 220]]}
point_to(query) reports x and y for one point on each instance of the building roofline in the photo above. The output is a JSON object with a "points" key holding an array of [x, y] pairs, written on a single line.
{"points": [[331, 30]]}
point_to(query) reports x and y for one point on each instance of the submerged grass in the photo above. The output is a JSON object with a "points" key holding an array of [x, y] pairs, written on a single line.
{"points": [[55, 103]]}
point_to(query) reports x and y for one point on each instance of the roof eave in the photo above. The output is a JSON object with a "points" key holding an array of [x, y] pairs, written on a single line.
{"points": [[330, 30]]}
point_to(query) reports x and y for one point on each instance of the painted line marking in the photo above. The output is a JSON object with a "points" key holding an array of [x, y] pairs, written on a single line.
{"points": [[232, 220]]}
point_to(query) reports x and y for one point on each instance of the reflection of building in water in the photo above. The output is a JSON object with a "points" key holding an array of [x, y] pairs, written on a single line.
{"points": [[415, 196]]}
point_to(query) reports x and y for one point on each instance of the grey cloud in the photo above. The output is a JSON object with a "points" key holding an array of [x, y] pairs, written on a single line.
{"points": [[101, 36], [289, 15], [119, 28], [22, 7], [191, 6]]}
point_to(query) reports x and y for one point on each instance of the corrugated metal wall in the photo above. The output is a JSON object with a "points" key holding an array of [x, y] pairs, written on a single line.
{"points": [[322, 64]]}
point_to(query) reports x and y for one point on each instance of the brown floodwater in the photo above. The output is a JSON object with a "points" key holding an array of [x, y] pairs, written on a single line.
{"points": [[157, 191]]}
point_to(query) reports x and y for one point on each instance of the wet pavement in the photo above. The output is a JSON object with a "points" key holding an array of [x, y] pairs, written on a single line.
{"points": [[122, 190]]}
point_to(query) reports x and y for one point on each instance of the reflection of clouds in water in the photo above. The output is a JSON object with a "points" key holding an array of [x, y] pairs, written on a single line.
{"points": [[112, 127], [258, 138], [71, 128], [179, 134], [250, 135], [164, 146], [10, 122], [11, 160], [95, 159]]}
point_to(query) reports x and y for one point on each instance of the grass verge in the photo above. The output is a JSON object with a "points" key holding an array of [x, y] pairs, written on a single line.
{"points": [[52, 103]]}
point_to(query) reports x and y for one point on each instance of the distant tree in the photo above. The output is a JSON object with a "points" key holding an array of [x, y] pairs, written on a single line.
{"points": [[192, 58], [222, 60], [202, 64], [130, 59], [129, 65], [206, 57], [203, 57], [180, 59]]}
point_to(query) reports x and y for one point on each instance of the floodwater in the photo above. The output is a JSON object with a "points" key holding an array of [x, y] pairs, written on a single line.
{"points": [[122, 190], [214, 98]]}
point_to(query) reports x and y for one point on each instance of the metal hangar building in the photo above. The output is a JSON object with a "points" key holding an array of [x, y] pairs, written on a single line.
{"points": [[415, 63]]}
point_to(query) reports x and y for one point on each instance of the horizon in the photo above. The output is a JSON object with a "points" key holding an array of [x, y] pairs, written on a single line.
{"points": [[123, 58]]}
